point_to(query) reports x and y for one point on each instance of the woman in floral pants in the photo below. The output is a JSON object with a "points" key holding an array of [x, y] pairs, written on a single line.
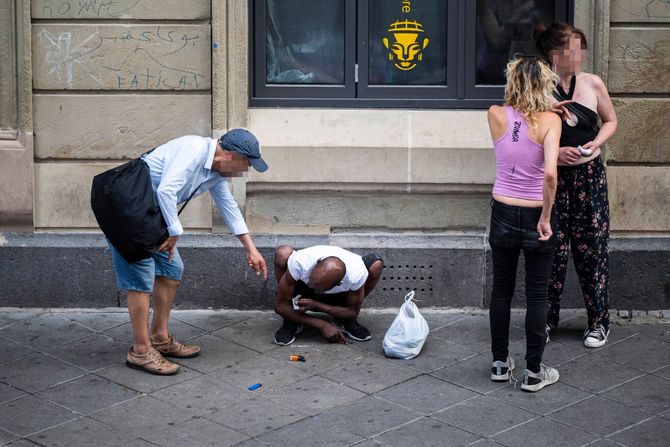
{"points": [[581, 198]]}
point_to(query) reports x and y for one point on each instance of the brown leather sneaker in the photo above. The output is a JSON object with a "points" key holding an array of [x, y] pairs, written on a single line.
{"points": [[152, 362], [173, 348]]}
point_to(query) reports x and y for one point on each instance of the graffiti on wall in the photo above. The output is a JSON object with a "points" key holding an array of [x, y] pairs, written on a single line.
{"points": [[123, 57]]}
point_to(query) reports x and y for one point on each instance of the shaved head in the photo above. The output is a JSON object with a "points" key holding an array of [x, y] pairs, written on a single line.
{"points": [[327, 273]]}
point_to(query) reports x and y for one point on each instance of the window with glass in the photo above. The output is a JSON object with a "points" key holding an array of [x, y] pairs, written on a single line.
{"points": [[391, 53]]}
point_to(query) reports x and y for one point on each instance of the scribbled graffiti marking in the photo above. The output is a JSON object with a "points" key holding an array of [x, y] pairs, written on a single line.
{"points": [[63, 55]]}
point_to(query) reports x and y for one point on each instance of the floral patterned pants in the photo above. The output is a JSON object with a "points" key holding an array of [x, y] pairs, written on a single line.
{"points": [[583, 227]]}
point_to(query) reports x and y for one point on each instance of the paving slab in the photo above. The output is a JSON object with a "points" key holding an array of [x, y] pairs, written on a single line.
{"points": [[660, 331], [196, 432], [473, 373], [663, 372], [555, 353], [371, 443], [11, 317], [320, 356], [30, 373], [604, 443], [143, 382], [484, 415], [649, 393], [202, 395], [342, 395], [216, 353], [30, 414], [572, 331], [6, 437], [8, 393], [426, 394], [437, 353], [255, 333], [537, 432], [368, 416], [88, 394], [11, 351], [314, 395], [84, 432], [210, 320], [642, 353], [22, 443], [251, 443], [427, 432], [310, 432], [370, 374], [92, 353], [270, 373], [438, 319], [549, 399], [588, 373], [180, 330], [654, 432], [518, 317], [144, 417], [255, 416], [610, 419], [474, 332], [44, 331], [97, 321]]}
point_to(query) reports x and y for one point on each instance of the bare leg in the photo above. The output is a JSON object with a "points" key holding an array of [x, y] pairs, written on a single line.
{"points": [[138, 309], [165, 290], [374, 272], [282, 254]]}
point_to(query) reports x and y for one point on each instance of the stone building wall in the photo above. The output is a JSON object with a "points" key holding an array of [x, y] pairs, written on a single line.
{"points": [[638, 78], [110, 81], [103, 81]]}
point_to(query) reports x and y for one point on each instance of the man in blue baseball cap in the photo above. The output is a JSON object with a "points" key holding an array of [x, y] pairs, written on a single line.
{"points": [[181, 169], [244, 143]]}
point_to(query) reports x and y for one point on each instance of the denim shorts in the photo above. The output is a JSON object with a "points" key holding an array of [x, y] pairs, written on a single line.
{"points": [[139, 276]]}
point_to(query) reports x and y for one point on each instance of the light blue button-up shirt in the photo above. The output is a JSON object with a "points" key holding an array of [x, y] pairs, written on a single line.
{"points": [[180, 166]]}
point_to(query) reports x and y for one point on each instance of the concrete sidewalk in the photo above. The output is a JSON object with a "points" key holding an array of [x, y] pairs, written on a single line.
{"points": [[63, 383]]}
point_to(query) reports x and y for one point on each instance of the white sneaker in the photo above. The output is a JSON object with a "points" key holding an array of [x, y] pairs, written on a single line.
{"points": [[502, 371], [597, 337], [536, 381]]}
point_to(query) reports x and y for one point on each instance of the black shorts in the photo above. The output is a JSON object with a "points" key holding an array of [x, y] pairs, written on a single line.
{"points": [[332, 298]]}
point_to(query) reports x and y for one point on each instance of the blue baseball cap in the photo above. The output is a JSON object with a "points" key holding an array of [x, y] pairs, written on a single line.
{"points": [[246, 144]]}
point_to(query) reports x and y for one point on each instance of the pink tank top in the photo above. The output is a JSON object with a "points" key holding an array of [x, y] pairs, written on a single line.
{"points": [[519, 161]]}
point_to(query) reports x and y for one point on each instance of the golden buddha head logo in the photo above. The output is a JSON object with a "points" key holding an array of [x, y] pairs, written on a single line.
{"points": [[406, 49]]}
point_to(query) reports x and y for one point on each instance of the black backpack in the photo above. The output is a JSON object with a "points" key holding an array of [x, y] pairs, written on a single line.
{"points": [[126, 209]]}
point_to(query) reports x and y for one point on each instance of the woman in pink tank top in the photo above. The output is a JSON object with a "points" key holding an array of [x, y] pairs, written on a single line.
{"points": [[526, 138]]}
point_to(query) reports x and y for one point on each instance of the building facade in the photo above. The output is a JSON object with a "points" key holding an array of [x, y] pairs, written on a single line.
{"points": [[371, 114]]}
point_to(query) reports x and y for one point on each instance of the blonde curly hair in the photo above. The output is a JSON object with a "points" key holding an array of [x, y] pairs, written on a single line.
{"points": [[530, 82]]}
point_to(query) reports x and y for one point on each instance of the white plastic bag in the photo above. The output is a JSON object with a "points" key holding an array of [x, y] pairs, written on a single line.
{"points": [[408, 332]]}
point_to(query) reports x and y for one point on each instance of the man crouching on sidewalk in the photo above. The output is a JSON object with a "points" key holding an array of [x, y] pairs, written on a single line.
{"points": [[324, 279]]}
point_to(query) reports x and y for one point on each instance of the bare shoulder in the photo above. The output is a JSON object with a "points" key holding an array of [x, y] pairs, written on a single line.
{"points": [[592, 80], [549, 119], [496, 113], [496, 109]]}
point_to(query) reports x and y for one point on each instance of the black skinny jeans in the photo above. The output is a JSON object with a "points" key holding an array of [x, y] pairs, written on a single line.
{"points": [[514, 228]]}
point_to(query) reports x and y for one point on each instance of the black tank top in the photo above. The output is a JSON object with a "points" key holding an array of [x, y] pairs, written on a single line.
{"points": [[583, 131]]}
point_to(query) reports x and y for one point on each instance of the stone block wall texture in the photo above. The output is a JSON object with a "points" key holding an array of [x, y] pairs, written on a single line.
{"points": [[639, 82], [112, 80], [446, 271]]}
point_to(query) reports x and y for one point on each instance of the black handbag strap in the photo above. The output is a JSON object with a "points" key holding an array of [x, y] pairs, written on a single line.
{"points": [[189, 198], [578, 113]]}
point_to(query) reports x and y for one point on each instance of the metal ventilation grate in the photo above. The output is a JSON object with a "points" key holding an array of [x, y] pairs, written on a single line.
{"points": [[406, 277]]}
